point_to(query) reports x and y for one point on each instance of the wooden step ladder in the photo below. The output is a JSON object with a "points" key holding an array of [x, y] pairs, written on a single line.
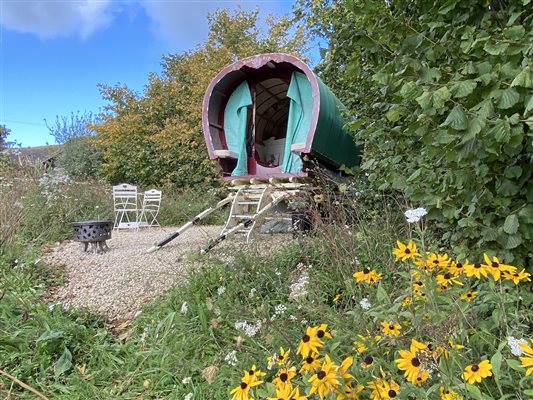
{"points": [[248, 202]]}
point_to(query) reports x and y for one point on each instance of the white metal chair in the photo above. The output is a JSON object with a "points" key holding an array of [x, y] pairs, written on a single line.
{"points": [[150, 208], [125, 206]]}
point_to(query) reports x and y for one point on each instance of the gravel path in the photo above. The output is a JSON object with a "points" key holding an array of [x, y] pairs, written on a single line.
{"points": [[116, 283]]}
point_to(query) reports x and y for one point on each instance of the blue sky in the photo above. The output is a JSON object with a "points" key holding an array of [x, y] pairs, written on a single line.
{"points": [[53, 53]]}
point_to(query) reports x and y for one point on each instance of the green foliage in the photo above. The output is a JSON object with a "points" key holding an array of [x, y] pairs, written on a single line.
{"points": [[442, 94], [81, 158], [154, 138]]}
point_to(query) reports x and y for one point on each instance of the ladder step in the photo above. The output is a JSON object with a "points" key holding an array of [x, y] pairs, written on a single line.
{"points": [[248, 202], [243, 230], [278, 218], [243, 216]]}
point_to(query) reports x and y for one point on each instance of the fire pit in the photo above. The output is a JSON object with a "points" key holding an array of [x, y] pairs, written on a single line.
{"points": [[94, 233]]}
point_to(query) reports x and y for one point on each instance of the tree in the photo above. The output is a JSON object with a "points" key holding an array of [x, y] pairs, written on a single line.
{"points": [[65, 128], [441, 97], [4, 133], [154, 138]]}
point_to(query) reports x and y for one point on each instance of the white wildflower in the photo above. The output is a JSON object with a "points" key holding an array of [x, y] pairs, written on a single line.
{"points": [[252, 292], [186, 380], [299, 285], [249, 329], [280, 309], [188, 396], [221, 290], [231, 358], [415, 215], [272, 361], [292, 318], [365, 304], [514, 344], [184, 308]]}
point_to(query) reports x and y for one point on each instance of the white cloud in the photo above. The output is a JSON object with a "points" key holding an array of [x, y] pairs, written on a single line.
{"points": [[183, 23], [48, 19]]}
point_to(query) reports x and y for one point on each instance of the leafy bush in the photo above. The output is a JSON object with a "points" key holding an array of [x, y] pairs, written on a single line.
{"points": [[442, 96], [81, 158]]}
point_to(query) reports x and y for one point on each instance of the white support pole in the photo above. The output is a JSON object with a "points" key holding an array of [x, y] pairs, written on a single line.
{"points": [[192, 222]]}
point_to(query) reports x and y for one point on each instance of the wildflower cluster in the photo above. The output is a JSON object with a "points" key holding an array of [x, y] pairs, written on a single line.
{"points": [[420, 338]]}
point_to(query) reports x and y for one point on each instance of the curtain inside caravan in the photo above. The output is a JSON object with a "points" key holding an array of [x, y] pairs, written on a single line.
{"points": [[235, 119], [300, 110]]}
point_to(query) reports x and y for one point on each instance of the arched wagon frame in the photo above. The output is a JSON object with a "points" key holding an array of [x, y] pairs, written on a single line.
{"points": [[262, 114]]}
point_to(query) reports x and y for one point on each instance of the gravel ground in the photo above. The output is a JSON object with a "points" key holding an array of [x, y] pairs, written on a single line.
{"points": [[116, 283]]}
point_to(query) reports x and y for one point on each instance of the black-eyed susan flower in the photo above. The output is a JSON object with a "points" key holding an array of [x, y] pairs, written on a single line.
{"points": [[287, 393], [456, 268], [310, 363], [404, 252], [325, 381], [407, 301], [447, 394], [517, 277], [448, 279], [409, 361], [368, 276], [368, 361], [383, 390], [476, 270], [351, 391], [283, 356], [310, 343], [242, 392], [421, 377], [284, 376], [322, 332], [527, 359], [469, 296], [435, 261], [495, 267], [476, 372], [252, 374], [390, 328]]}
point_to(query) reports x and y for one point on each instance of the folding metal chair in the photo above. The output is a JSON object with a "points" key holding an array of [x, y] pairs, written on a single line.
{"points": [[150, 208], [125, 206]]}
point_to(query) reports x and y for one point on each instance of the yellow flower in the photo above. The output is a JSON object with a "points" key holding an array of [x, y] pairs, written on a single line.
{"points": [[368, 276], [383, 390], [325, 381], [435, 261], [409, 361], [390, 328], [403, 252], [252, 375], [242, 392], [407, 301], [351, 391], [421, 377], [367, 361], [446, 394], [517, 277], [495, 267], [476, 270], [476, 372], [527, 361], [322, 331], [284, 376], [283, 356], [456, 268], [343, 368], [287, 393], [469, 296], [310, 343], [448, 279], [310, 363]]}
